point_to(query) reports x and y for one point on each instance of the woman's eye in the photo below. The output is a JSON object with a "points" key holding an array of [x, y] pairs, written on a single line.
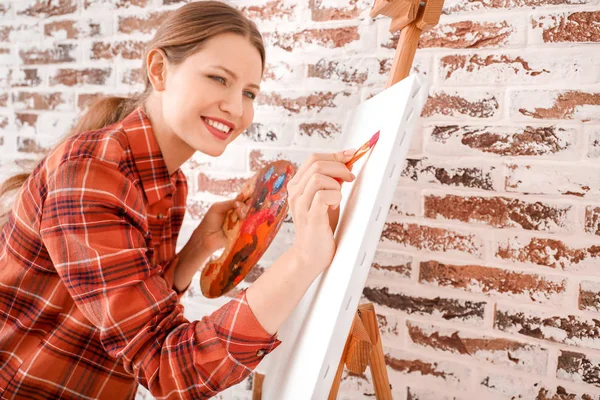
{"points": [[218, 79], [250, 95]]}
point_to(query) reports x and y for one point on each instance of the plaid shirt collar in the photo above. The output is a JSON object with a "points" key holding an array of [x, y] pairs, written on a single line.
{"points": [[148, 157]]}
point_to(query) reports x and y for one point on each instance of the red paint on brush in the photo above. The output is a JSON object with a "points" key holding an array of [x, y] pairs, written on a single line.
{"points": [[362, 151]]}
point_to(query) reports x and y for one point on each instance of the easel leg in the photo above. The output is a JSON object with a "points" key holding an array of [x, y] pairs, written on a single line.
{"points": [[257, 384], [335, 387], [383, 390]]}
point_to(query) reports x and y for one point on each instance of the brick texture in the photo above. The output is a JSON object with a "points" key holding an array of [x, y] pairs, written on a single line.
{"points": [[485, 278]]}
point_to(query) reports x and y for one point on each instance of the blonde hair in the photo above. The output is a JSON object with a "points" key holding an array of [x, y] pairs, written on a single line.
{"points": [[180, 35]]}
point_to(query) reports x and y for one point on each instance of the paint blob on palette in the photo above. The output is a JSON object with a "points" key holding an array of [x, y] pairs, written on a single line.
{"points": [[249, 238]]}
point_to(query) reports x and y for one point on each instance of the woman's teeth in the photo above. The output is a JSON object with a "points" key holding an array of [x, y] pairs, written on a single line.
{"points": [[222, 127]]}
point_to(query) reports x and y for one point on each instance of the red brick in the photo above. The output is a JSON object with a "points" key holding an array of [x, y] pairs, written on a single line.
{"points": [[326, 38], [424, 170], [132, 76], [112, 4], [4, 121], [31, 145], [144, 24], [26, 77], [431, 239], [127, 49], [315, 102], [466, 104], [589, 296], [502, 212], [438, 307], [42, 101], [219, 185], [324, 130], [46, 8], [579, 367], [324, 13], [510, 141], [468, 6], [497, 351], [343, 71], [579, 27], [73, 29], [493, 281], [58, 53], [555, 104], [551, 253], [555, 179], [85, 100], [567, 329], [79, 77], [271, 11], [515, 68], [3, 99], [465, 35], [388, 265]]}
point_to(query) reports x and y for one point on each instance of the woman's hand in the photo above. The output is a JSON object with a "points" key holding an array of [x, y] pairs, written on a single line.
{"points": [[209, 234], [314, 197]]}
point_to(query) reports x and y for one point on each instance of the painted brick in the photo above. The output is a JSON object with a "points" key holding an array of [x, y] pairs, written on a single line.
{"points": [[406, 201], [42, 101], [516, 68], [407, 235], [566, 27], [513, 141], [517, 388], [567, 329], [589, 296], [332, 10], [554, 179], [464, 174], [493, 350], [318, 134], [25, 77], [233, 159], [578, 367], [20, 33], [132, 76], [568, 254], [440, 308], [77, 29], [458, 6], [314, 103], [34, 145], [144, 24], [127, 49], [426, 393], [271, 12], [594, 141], [258, 158], [114, 4], [501, 212], [59, 53], [554, 104], [78, 77], [462, 104], [468, 34], [390, 265], [314, 39], [224, 184], [44, 9], [267, 133], [546, 289]]}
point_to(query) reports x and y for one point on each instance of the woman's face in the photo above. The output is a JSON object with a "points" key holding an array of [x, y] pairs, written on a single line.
{"points": [[209, 98]]}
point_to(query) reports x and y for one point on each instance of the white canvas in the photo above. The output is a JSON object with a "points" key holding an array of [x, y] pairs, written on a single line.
{"points": [[313, 338]]}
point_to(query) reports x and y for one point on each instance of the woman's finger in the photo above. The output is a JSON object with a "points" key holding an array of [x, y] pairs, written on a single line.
{"points": [[333, 169], [317, 182], [323, 200], [339, 157]]}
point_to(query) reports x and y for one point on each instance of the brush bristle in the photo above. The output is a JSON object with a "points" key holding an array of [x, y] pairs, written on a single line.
{"points": [[374, 139]]}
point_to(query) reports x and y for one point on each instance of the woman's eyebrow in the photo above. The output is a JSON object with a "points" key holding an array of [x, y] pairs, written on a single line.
{"points": [[230, 72]]}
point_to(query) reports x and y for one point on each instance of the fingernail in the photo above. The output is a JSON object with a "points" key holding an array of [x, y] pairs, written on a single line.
{"points": [[349, 152]]}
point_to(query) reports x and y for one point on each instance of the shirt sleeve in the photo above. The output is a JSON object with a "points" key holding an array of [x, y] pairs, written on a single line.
{"points": [[94, 228]]}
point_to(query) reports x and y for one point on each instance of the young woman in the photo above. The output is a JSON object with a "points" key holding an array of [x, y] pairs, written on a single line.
{"points": [[89, 279]]}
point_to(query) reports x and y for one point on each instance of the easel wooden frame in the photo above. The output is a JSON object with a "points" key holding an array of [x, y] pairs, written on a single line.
{"points": [[363, 345]]}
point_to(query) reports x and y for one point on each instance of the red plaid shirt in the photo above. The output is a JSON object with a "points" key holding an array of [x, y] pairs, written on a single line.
{"points": [[87, 256]]}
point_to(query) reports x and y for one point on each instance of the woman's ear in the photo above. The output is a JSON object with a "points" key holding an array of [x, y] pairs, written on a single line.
{"points": [[156, 65]]}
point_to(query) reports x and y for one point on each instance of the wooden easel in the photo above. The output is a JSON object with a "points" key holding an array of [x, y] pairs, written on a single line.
{"points": [[363, 346]]}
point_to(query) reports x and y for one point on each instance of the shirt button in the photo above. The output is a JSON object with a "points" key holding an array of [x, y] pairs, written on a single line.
{"points": [[160, 216], [260, 353]]}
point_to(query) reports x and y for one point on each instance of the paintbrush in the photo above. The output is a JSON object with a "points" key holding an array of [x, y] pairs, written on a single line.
{"points": [[362, 150]]}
